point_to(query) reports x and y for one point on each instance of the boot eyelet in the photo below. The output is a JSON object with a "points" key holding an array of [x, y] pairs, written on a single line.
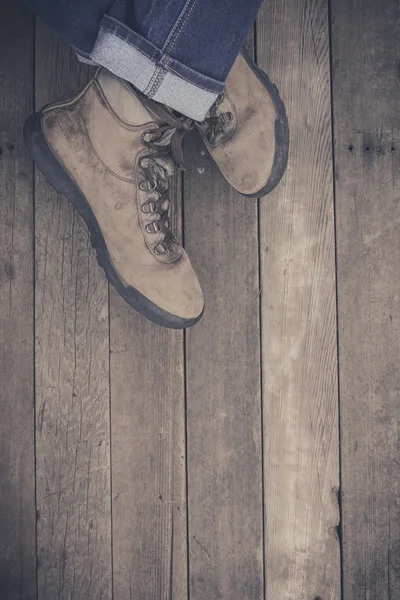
{"points": [[226, 118], [152, 185], [160, 249], [147, 186], [153, 227], [149, 207]]}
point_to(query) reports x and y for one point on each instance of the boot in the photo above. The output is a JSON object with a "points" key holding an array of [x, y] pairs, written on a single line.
{"points": [[246, 131], [112, 152]]}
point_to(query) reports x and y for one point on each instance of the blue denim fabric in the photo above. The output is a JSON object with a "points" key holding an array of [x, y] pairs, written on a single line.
{"points": [[178, 45], [76, 21], [205, 35]]}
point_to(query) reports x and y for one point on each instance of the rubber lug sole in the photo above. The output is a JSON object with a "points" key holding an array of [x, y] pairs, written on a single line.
{"points": [[58, 177]]}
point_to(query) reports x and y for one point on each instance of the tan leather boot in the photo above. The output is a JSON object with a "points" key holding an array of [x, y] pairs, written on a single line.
{"points": [[246, 131], [111, 152]]}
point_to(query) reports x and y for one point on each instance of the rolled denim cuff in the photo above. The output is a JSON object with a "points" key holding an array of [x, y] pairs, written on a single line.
{"points": [[158, 75]]}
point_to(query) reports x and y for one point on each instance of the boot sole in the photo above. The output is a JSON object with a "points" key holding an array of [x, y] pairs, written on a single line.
{"points": [[281, 132], [58, 177]]}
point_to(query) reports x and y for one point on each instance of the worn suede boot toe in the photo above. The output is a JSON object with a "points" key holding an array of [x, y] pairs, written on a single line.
{"points": [[246, 131]]}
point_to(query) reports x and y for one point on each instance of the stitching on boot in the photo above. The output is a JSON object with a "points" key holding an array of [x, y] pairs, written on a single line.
{"points": [[111, 111], [62, 103]]}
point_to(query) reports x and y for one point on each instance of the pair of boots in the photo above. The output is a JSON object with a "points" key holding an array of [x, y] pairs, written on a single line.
{"points": [[112, 152]]}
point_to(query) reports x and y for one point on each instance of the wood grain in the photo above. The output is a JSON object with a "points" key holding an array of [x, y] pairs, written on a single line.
{"points": [[148, 452], [72, 377], [17, 488], [223, 388], [367, 151], [300, 392]]}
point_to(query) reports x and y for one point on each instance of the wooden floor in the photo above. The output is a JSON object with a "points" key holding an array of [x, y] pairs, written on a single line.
{"points": [[147, 464]]}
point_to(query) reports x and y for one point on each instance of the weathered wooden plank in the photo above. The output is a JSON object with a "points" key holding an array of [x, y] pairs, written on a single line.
{"points": [[300, 393], [367, 150], [223, 388], [72, 377], [17, 487], [148, 453]]}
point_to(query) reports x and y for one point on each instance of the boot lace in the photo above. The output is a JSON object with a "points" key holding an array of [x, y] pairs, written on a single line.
{"points": [[216, 122], [165, 142]]}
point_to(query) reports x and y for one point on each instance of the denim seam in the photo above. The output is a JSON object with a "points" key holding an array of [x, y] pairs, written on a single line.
{"points": [[161, 72], [173, 42], [165, 60], [168, 59], [182, 15], [155, 78], [164, 63], [152, 80]]}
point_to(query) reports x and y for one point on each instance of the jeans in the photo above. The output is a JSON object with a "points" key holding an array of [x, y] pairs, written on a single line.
{"points": [[178, 52]]}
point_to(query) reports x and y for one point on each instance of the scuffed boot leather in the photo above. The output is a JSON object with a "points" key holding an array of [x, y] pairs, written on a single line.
{"points": [[246, 131], [112, 152]]}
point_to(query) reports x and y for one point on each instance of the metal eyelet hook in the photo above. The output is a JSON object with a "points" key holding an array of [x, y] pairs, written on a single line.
{"points": [[147, 185], [149, 207], [160, 249], [153, 227], [226, 118]]}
